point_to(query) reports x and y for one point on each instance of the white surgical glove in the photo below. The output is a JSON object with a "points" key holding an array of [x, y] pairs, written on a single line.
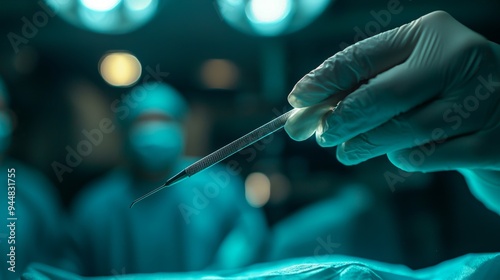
{"points": [[427, 94]]}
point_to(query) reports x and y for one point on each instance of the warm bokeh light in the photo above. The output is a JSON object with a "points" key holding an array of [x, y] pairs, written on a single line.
{"points": [[257, 189], [219, 74], [120, 69]]}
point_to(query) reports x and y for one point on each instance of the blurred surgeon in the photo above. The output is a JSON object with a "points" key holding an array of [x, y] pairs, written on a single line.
{"points": [[203, 222], [426, 94], [31, 221]]}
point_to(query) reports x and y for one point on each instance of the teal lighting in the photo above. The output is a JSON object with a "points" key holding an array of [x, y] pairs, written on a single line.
{"points": [[100, 5], [270, 17], [268, 12], [106, 16]]}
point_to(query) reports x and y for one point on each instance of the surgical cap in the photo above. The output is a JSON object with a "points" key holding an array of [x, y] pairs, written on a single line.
{"points": [[157, 98]]}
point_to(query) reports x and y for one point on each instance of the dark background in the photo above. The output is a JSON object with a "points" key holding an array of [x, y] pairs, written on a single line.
{"points": [[56, 90]]}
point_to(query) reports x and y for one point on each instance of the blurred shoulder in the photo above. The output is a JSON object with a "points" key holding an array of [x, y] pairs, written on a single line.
{"points": [[29, 175], [101, 193], [32, 185]]}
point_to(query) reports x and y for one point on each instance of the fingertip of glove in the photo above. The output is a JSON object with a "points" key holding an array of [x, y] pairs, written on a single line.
{"points": [[344, 157], [322, 141], [298, 95], [294, 101], [294, 133], [399, 159]]}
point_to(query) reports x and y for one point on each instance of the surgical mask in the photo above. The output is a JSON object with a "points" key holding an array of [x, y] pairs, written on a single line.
{"points": [[5, 132], [156, 145]]}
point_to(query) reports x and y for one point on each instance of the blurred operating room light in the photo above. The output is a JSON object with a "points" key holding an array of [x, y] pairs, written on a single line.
{"points": [[270, 17], [219, 74], [137, 5], [100, 5], [106, 16], [257, 189], [120, 69], [266, 11]]}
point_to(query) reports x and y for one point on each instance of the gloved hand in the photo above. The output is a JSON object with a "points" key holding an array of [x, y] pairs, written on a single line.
{"points": [[427, 94]]}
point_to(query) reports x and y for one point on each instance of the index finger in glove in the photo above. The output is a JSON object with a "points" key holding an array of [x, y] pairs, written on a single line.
{"points": [[357, 63]]}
